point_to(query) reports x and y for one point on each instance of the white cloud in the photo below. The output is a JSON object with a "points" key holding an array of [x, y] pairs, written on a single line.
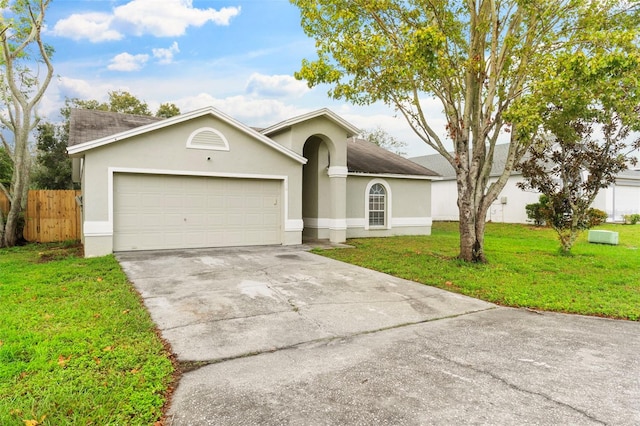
{"points": [[95, 27], [171, 19], [274, 86], [75, 88], [250, 111], [165, 56], [128, 62], [65, 87]]}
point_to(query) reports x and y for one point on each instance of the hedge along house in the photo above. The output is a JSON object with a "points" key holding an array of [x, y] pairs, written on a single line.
{"points": [[203, 179]]}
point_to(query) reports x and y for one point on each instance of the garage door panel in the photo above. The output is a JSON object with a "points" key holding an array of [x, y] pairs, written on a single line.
{"points": [[155, 212], [195, 237], [196, 202], [148, 199], [268, 202], [215, 238], [253, 201], [267, 234], [130, 201], [234, 202], [214, 201], [196, 220], [215, 219], [254, 219], [129, 222], [270, 219]]}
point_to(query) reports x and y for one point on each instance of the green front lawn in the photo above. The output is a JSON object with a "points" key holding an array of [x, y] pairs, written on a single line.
{"points": [[525, 268], [76, 344]]}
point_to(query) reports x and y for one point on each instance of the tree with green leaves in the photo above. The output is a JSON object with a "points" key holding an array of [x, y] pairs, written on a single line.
{"points": [[126, 103], [6, 168], [383, 139], [167, 110], [123, 102], [119, 101], [592, 108], [21, 89], [53, 165], [480, 59]]}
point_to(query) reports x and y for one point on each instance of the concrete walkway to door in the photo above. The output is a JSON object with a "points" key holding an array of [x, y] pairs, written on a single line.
{"points": [[277, 335]]}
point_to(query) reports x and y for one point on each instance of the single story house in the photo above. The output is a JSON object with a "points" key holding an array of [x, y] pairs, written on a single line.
{"points": [[622, 198], [508, 207], [203, 179], [617, 200]]}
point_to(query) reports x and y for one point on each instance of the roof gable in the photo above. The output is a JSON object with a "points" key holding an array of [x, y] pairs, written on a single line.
{"points": [[350, 129], [131, 126], [366, 157]]}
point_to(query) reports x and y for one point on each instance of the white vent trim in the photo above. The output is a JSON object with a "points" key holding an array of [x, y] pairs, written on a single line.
{"points": [[207, 138]]}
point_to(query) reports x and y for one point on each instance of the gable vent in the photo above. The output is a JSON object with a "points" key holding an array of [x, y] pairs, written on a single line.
{"points": [[208, 138]]}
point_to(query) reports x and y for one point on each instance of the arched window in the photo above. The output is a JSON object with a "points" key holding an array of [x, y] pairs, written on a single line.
{"points": [[377, 206]]}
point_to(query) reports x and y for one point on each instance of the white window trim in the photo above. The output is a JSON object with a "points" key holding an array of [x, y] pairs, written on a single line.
{"points": [[207, 148], [388, 216]]}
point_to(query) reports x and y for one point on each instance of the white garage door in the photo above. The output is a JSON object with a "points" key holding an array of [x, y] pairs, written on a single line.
{"points": [[163, 212]]}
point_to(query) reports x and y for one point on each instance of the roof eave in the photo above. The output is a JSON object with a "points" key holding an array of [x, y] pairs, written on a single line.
{"points": [[394, 176], [286, 124]]}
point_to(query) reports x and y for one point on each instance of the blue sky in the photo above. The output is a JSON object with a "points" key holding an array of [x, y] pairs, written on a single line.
{"points": [[238, 56]]}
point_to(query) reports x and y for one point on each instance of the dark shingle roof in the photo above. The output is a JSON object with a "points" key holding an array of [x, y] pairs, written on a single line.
{"points": [[440, 165], [366, 157], [87, 125]]}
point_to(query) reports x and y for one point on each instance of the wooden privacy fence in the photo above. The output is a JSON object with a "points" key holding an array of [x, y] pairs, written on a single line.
{"points": [[52, 216], [4, 203]]}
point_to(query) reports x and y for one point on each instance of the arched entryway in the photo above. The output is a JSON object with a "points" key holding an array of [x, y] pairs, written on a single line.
{"points": [[323, 192], [316, 188]]}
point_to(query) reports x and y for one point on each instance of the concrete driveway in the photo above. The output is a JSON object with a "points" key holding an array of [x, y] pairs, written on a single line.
{"points": [[277, 335]]}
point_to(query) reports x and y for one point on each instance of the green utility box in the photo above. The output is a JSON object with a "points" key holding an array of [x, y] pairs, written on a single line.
{"points": [[603, 237]]}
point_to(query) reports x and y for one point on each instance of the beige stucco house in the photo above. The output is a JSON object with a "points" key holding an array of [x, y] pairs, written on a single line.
{"points": [[203, 179]]}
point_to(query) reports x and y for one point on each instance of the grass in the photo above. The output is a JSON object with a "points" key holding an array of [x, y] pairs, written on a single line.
{"points": [[76, 344], [525, 267]]}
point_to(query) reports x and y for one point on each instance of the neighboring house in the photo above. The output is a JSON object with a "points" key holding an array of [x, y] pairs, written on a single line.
{"points": [[617, 200], [508, 207], [203, 179], [621, 198]]}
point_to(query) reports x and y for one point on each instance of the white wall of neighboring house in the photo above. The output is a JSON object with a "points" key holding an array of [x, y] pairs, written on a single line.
{"points": [[509, 207], [444, 200], [619, 199], [622, 198]]}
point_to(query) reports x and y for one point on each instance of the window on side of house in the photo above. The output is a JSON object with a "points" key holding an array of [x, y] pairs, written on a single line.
{"points": [[377, 205]]}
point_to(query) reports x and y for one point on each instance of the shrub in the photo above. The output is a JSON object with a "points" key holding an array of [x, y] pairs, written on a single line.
{"points": [[542, 213], [632, 218], [535, 211], [596, 217]]}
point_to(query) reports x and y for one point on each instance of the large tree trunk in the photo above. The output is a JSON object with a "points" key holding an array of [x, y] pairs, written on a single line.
{"points": [[473, 212], [11, 227], [19, 190], [1, 228]]}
